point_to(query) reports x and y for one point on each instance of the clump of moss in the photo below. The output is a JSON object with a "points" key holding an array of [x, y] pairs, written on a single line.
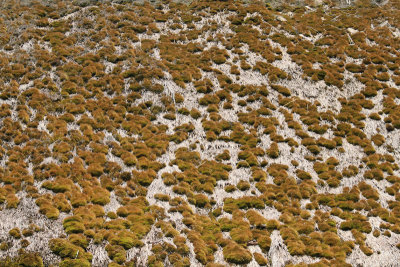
{"points": [[47, 207], [126, 239], [116, 253], [12, 201], [273, 151], [258, 174], [201, 200], [374, 173], [354, 68], [95, 169], [4, 246], [378, 139], [75, 262], [73, 224], [330, 144], [314, 149], [100, 196], [65, 249], [360, 225], [79, 240], [246, 202], [58, 185], [243, 185], [281, 89], [260, 259], [161, 197], [350, 171], [15, 232], [241, 234], [223, 156], [229, 188], [320, 167], [218, 56], [303, 175], [233, 253], [368, 192], [31, 259], [257, 219]]}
